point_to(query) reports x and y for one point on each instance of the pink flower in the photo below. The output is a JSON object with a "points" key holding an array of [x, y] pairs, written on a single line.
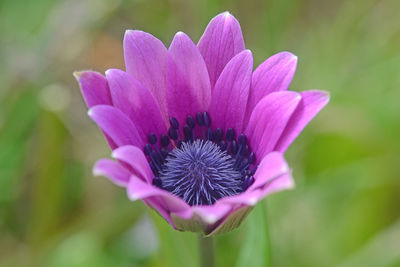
{"points": [[196, 134]]}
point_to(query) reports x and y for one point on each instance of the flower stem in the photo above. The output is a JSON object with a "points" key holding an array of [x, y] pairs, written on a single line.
{"points": [[206, 251], [268, 238]]}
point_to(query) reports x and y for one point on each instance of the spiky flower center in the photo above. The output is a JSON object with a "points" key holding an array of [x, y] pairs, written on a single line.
{"points": [[200, 173], [200, 168]]}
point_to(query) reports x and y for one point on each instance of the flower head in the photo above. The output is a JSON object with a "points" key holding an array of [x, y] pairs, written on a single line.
{"points": [[195, 133]]}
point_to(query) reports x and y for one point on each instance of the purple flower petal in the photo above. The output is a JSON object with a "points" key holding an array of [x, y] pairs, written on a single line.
{"points": [[95, 91], [113, 171], [274, 74], [116, 125], [221, 41], [213, 213], [252, 197], [200, 218], [269, 119], [311, 103], [145, 59], [131, 97], [244, 203], [137, 161], [138, 189], [94, 88], [229, 97], [154, 204], [150, 195], [188, 84], [283, 182], [272, 175], [271, 167]]}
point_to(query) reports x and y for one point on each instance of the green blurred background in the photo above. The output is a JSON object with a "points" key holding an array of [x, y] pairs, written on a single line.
{"points": [[345, 210]]}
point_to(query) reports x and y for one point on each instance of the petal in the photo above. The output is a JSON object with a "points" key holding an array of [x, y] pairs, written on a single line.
{"points": [[269, 119], [145, 59], [113, 171], [247, 198], [136, 159], [229, 97], [188, 84], [95, 91], [252, 197], [221, 41], [94, 88], [230, 222], [131, 97], [274, 74], [283, 182], [311, 103], [138, 189], [116, 125], [235, 218], [202, 219], [271, 167], [212, 213], [158, 207]]}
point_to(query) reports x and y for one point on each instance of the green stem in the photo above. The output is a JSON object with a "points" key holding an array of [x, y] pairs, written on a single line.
{"points": [[206, 251], [268, 238]]}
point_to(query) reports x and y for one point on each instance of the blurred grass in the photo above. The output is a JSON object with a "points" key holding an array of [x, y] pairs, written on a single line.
{"points": [[345, 208]]}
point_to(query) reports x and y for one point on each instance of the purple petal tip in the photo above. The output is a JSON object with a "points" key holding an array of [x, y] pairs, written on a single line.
{"points": [[77, 74], [90, 112], [247, 51]]}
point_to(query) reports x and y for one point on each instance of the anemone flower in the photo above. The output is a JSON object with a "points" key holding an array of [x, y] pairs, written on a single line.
{"points": [[195, 133]]}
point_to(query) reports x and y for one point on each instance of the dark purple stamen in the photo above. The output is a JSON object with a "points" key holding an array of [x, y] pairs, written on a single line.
{"points": [[173, 133], [200, 169], [154, 169], [242, 139], [210, 135], [207, 120], [190, 122], [252, 158], [218, 134], [152, 138], [174, 123], [157, 182], [147, 149], [247, 182], [230, 134], [164, 152], [164, 140], [234, 147], [187, 132], [200, 119], [244, 151], [243, 163], [222, 145], [156, 157]]}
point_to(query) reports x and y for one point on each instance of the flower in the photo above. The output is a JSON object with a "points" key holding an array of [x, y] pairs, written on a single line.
{"points": [[195, 133]]}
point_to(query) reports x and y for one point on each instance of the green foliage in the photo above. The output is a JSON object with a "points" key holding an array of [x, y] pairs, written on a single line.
{"points": [[256, 233]]}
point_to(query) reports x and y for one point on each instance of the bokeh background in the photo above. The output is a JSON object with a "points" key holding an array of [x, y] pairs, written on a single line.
{"points": [[345, 210]]}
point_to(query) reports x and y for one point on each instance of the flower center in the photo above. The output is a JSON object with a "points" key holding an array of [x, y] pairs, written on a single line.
{"points": [[202, 165], [200, 173]]}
